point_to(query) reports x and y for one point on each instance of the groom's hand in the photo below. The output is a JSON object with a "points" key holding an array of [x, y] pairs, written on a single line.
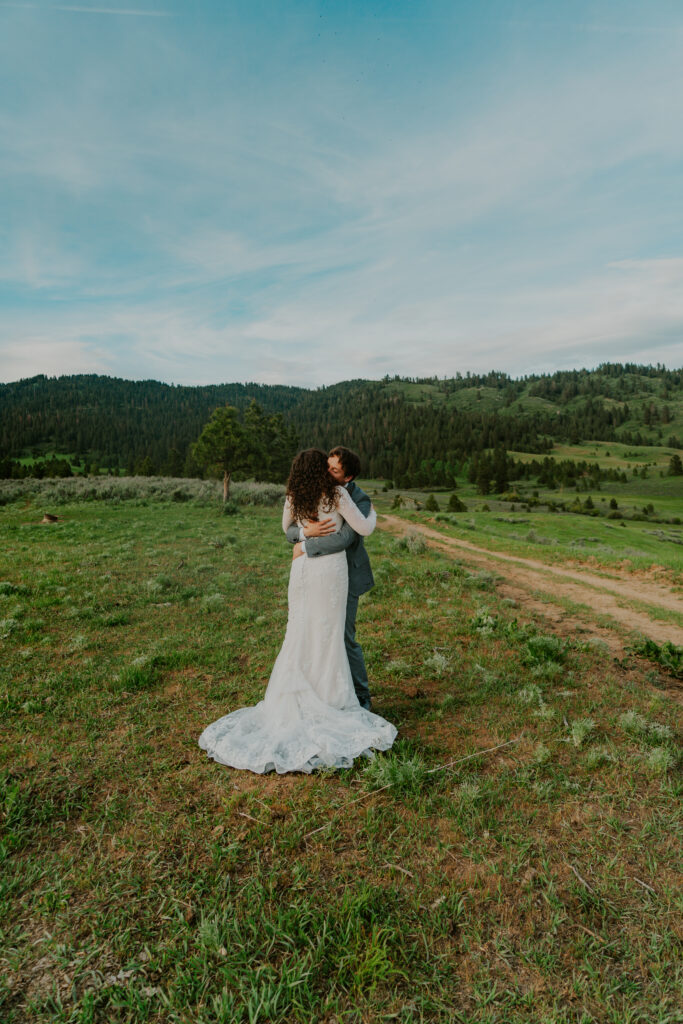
{"points": [[298, 550], [320, 529]]}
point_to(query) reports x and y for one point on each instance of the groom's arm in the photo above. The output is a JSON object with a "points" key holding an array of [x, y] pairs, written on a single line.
{"points": [[326, 545], [330, 544], [292, 534], [347, 535]]}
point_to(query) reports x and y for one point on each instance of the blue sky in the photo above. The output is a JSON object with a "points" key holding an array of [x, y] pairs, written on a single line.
{"points": [[299, 192]]}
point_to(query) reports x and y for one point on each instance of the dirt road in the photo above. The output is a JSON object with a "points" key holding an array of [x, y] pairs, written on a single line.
{"points": [[536, 585]]}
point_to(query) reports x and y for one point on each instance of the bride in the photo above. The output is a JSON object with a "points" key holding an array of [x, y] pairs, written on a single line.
{"points": [[310, 716]]}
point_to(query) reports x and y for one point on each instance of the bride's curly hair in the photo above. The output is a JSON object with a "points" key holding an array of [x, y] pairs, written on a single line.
{"points": [[309, 483]]}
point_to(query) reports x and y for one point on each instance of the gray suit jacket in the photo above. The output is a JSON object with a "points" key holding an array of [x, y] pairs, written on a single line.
{"points": [[360, 573]]}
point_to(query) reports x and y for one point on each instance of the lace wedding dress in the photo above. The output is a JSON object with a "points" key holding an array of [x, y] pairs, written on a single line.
{"points": [[310, 716]]}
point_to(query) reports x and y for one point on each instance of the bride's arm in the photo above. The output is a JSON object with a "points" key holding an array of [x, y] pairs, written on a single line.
{"points": [[287, 517], [353, 515]]}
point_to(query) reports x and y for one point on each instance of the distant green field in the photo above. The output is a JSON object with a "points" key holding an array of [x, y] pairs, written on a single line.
{"points": [[30, 460], [562, 536], [608, 454]]}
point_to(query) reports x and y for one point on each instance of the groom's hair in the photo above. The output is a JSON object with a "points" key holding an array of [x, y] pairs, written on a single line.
{"points": [[350, 462]]}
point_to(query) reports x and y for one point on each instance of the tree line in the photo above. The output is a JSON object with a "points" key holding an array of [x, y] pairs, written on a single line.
{"points": [[419, 432]]}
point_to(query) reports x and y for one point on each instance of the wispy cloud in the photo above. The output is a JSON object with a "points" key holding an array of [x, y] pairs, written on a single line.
{"points": [[197, 205]]}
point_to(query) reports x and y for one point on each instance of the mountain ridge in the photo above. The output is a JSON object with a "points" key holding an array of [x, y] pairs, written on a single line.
{"points": [[394, 423]]}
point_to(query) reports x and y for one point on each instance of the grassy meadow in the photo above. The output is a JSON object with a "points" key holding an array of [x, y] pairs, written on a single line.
{"points": [[643, 532], [140, 881]]}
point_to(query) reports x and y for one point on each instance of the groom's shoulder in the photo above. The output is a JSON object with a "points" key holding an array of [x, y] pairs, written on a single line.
{"points": [[356, 493]]}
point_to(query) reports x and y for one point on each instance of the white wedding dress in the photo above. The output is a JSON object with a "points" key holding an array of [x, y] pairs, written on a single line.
{"points": [[310, 716]]}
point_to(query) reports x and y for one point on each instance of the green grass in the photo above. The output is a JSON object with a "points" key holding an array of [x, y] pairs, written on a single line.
{"points": [[140, 881], [534, 531]]}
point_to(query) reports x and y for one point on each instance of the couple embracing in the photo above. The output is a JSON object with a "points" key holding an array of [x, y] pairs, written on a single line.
{"points": [[316, 712]]}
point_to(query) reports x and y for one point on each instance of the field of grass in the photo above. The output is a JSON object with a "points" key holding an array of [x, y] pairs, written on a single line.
{"points": [[535, 531], [141, 882], [557, 539], [608, 455]]}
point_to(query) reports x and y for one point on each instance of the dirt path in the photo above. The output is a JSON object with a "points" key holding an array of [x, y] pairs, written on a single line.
{"points": [[604, 594]]}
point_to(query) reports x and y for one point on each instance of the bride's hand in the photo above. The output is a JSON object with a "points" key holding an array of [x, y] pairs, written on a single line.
{"points": [[320, 528]]}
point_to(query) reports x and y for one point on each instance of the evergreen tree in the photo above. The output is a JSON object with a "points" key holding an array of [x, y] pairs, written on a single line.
{"points": [[255, 445]]}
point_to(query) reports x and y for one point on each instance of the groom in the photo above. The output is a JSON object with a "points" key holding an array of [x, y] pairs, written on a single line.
{"points": [[320, 539]]}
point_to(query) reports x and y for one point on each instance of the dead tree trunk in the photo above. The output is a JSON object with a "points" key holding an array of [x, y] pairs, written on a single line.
{"points": [[226, 486]]}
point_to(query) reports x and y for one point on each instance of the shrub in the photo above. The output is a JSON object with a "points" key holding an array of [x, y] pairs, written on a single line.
{"points": [[530, 695], [480, 580], [642, 729], [545, 648], [413, 542], [660, 760], [250, 493], [484, 623], [7, 626], [398, 667], [581, 729], [55, 491], [668, 655], [403, 770], [455, 504], [541, 754], [431, 504], [597, 757], [437, 663], [141, 674]]}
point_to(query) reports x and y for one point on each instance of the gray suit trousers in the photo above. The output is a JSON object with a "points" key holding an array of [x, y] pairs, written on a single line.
{"points": [[354, 652]]}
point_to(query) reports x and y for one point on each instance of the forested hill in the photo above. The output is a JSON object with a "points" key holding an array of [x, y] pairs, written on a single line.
{"points": [[394, 423], [118, 422]]}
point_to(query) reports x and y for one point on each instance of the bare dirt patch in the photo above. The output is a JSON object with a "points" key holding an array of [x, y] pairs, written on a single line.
{"points": [[603, 593]]}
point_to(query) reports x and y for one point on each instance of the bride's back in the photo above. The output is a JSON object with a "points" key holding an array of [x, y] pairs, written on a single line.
{"points": [[325, 513]]}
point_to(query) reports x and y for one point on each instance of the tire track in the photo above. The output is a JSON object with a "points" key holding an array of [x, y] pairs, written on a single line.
{"points": [[602, 594]]}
